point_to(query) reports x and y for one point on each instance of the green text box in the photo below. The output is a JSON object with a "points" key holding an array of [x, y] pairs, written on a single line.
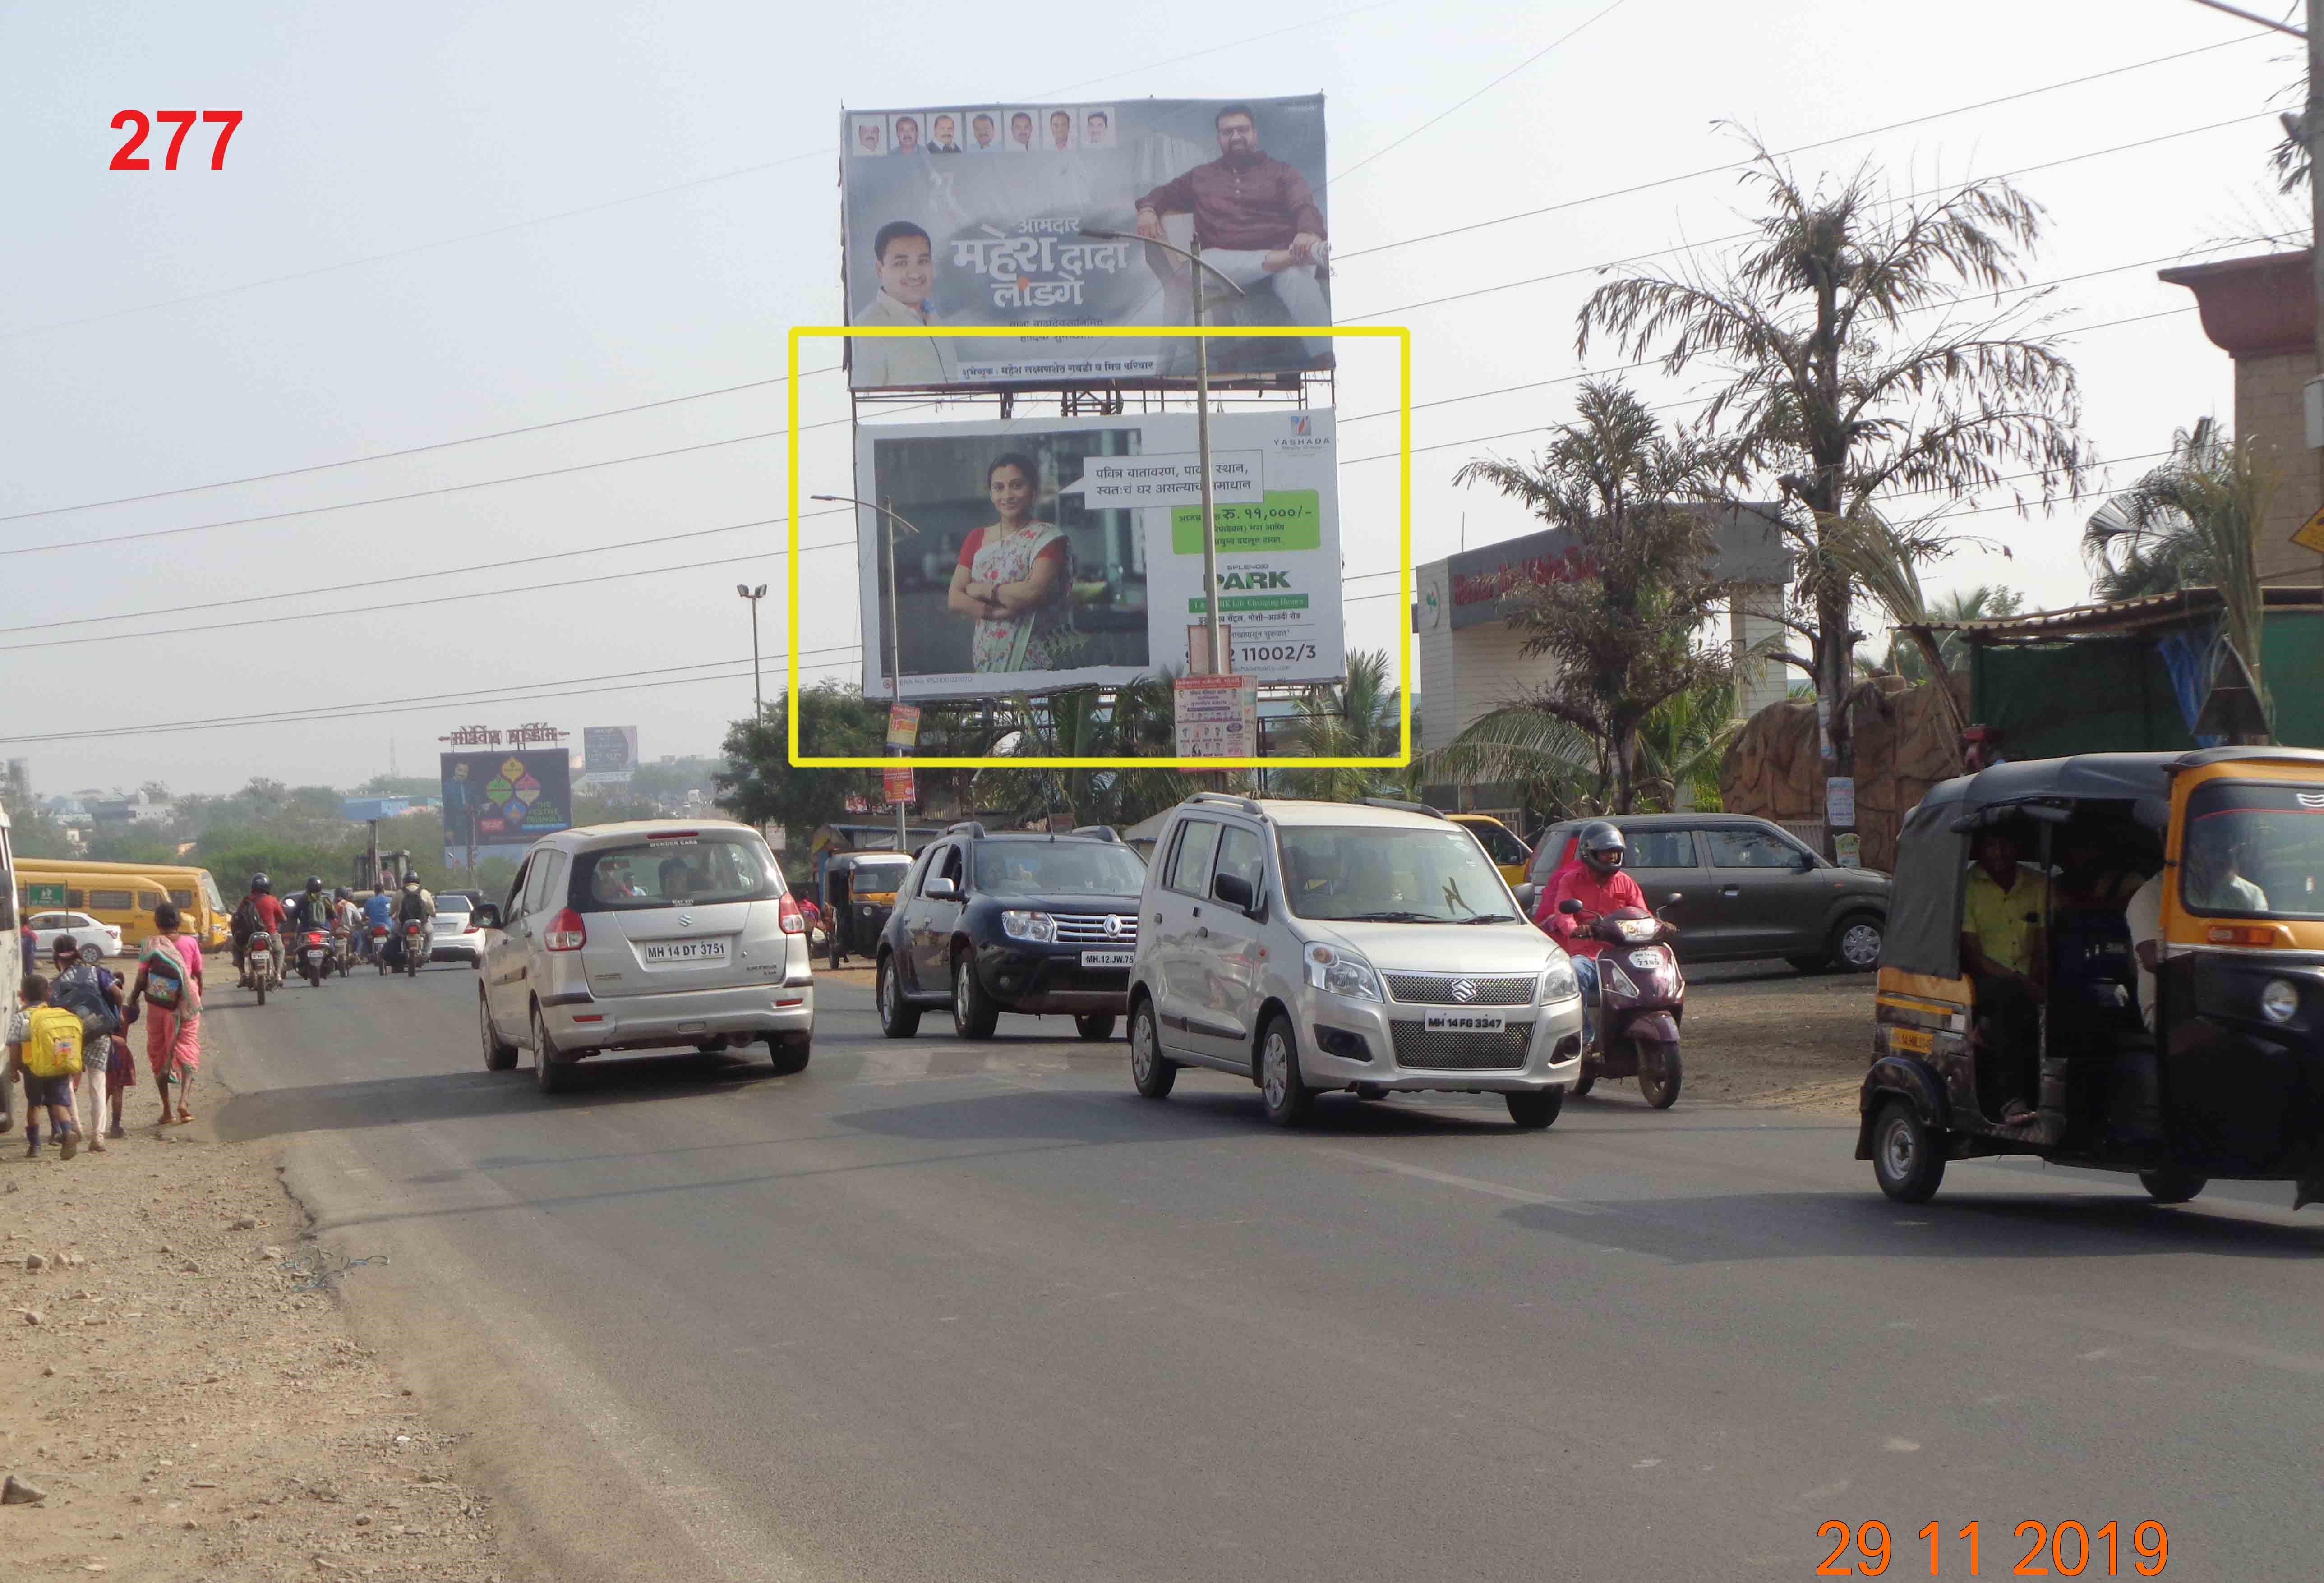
{"points": [[1287, 520], [37, 895], [1249, 602]]}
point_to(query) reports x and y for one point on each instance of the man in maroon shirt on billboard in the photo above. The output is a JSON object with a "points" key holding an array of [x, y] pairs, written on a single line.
{"points": [[1256, 220]]}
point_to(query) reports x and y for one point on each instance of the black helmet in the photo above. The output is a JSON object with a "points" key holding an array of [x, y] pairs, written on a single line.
{"points": [[343, 893], [314, 883], [411, 882], [260, 885], [1601, 836]]}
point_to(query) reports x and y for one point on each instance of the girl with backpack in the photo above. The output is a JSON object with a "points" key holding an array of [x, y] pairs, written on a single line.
{"points": [[44, 1046], [170, 982], [90, 993]]}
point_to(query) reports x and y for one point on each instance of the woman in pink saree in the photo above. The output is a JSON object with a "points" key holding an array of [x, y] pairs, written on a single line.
{"points": [[170, 982]]}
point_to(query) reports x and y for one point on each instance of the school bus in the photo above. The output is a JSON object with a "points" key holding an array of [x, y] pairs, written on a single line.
{"points": [[125, 894]]}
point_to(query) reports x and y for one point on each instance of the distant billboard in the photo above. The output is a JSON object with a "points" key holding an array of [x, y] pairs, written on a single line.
{"points": [[1055, 552], [609, 753], [496, 804], [978, 216]]}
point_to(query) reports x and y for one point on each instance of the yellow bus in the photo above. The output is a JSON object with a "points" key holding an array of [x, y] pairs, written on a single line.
{"points": [[125, 894]]}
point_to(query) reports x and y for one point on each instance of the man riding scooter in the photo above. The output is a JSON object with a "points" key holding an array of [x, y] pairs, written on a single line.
{"points": [[1594, 879], [259, 912], [1633, 993], [378, 913]]}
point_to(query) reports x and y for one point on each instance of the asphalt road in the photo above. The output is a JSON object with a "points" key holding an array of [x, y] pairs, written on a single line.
{"points": [[939, 1311]]}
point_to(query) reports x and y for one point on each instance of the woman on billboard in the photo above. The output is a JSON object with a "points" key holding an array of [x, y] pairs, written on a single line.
{"points": [[1014, 575]]}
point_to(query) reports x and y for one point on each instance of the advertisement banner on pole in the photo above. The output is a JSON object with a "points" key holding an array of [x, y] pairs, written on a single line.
{"points": [[1217, 717], [497, 804], [980, 215], [903, 727], [1062, 552], [899, 788]]}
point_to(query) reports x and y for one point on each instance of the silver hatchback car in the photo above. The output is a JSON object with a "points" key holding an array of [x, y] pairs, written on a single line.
{"points": [[644, 936], [1314, 947]]}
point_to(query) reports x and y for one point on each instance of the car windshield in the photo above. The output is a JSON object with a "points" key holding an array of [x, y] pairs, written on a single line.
{"points": [[2254, 850], [1057, 867], [686, 871], [1390, 874], [877, 879]]}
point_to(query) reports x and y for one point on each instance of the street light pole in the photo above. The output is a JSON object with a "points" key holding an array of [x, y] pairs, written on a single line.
{"points": [[1218, 660], [895, 633], [758, 702]]}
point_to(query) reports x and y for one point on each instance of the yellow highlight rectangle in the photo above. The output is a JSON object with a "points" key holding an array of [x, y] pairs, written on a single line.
{"points": [[1398, 333]]}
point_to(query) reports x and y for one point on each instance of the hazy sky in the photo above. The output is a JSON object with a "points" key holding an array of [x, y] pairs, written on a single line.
{"points": [[325, 298]]}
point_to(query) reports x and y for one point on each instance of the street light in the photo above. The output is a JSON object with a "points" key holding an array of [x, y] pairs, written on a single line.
{"points": [[1218, 666], [895, 628], [758, 704]]}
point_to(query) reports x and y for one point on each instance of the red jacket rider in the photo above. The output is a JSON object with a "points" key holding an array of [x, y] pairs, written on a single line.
{"points": [[1601, 897]]}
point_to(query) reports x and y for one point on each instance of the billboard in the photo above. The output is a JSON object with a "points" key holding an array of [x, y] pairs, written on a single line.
{"points": [[498, 803], [978, 216], [1055, 552], [609, 753]]}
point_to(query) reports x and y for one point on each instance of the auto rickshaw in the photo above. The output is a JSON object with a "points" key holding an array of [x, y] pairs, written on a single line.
{"points": [[859, 892], [2224, 1079]]}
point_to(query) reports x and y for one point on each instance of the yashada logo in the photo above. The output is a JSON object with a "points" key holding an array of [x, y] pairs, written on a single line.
{"points": [[1303, 435]]}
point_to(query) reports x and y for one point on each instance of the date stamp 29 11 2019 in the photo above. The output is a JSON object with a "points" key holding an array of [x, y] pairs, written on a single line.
{"points": [[2065, 1549]]}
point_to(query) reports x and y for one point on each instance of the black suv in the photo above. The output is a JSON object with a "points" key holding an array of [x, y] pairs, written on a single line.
{"points": [[988, 924]]}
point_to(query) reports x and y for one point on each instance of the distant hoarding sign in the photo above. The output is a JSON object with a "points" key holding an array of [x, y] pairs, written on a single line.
{"points": [[1012, 502], [497, 804], [899, 788], [1217, 717], [1747, 544], [609, 749], [362, 810], [903, 727], [39, 895], [980, 215], [857, 803]]}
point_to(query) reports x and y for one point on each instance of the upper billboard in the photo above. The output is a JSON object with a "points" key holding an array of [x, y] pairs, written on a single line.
{"points": [[980, 215], [1057, 552], [609, 754]]}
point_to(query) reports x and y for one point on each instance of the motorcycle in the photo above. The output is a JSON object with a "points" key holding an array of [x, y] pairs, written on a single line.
{"points": [[262, 966], [314, 956], [343, 949], [415, 946], [377, 949], [1641, 999]]}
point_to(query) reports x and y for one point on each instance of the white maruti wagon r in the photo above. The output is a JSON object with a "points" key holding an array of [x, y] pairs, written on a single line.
{"points": [[645, 936], [1375, 947]]}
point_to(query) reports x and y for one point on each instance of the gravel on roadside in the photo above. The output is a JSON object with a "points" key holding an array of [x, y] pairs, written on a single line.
{"points": [[183, 1410]]}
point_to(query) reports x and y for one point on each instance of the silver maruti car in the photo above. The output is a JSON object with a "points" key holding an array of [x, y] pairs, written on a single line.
{"points": [[1373, 947], [645, 936]]}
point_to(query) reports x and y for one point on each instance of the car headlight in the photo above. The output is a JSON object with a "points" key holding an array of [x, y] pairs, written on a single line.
{"points": [[1024, 925], [1338, 972], [1558, 981], [2280, 1001]]}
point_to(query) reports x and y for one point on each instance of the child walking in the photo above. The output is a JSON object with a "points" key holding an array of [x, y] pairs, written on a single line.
{"points": [[170, 982], [44, 1044]]}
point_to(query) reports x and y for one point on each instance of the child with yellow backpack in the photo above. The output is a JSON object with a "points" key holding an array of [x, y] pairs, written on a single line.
{"points": [[44, 1044]]}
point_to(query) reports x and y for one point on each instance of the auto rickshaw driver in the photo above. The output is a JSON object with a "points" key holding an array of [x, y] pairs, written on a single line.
{"points": [[2004, 953], [2215, 863]]}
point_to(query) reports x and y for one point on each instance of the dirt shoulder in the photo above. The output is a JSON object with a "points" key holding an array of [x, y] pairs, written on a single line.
{"points": [[186, 1408], [1764, 1036]]}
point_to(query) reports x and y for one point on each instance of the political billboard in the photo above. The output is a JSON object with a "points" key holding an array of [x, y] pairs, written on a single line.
{"points": [[496, 804], [1056, 552], [980, 215]]}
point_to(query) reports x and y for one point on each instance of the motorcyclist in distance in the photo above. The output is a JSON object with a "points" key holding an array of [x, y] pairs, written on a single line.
{"points": [[259, 910], [378, 911], [415, 903], [313, 906]]}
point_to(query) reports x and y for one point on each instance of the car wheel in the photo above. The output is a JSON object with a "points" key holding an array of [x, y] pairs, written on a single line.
{"points": [[1096, 1028], [1856, 943], [973, 1014], [552, 1076], [1154, 1072], [791, 1052], [1534, 1111], [1907, 1158], [899, 1018], [2172, 1187], [1289, 1100], [498, 1054]]}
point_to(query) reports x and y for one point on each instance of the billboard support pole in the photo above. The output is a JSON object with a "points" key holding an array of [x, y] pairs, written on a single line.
{"points": [[1218, 660], [895, 629]]}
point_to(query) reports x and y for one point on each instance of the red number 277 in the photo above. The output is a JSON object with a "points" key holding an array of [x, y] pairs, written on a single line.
{"points": [[126, 157]]}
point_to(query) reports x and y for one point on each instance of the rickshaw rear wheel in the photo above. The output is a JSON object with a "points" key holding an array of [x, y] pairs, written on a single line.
{"points": [[2172, 1187], [1907, 1158]]}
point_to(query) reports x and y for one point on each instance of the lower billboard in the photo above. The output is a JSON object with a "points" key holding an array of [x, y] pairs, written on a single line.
{"points": [[497, 804], [1059, 552]]}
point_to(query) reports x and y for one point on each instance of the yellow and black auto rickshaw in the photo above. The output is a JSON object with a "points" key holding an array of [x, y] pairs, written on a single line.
{"points": [[2172, 1023], [859, 892]]}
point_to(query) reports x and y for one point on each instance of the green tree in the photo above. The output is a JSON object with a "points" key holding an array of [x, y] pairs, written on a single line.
{"points": [[1622, 625], [1358, 718], [1681, 745], [1827, 383], [763, 787], [1132, 721]]}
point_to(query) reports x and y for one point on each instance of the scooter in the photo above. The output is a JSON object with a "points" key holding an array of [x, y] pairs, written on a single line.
{"points": [[378, 950], [314, 956], [262, 967], [343, 949], [1641, 999], [415, 946]]}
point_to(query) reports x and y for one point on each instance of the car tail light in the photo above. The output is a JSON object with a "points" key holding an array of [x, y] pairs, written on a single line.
{"points": [[566, 932], [793, 920]]}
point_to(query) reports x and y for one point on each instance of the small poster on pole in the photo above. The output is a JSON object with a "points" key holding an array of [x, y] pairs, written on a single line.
{"points": [[1840, 802], [903, 727], [899, 788], [1217, 717]]}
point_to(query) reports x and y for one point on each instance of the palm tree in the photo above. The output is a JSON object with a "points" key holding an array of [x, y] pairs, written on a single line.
{"points": [[1556, 768], [1134, 722], [1827, 386], [2192, 521], [1682, 743], [1358, 718]]}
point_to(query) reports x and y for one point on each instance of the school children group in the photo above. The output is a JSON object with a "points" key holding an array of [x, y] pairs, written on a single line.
{"points": [[68, 1049]]}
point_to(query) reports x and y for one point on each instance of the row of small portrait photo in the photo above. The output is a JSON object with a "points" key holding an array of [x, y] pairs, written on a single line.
{"points": [[1055, 130]]}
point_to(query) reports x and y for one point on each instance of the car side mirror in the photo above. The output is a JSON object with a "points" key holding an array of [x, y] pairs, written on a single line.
{"points": [[942, 890], [1571, 905], [1801, 863], [1232, 889], [488, 916]]}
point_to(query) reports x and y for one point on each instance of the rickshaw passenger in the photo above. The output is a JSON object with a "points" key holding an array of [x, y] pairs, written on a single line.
{"points": [[2002, 948], [2144, 916]]}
